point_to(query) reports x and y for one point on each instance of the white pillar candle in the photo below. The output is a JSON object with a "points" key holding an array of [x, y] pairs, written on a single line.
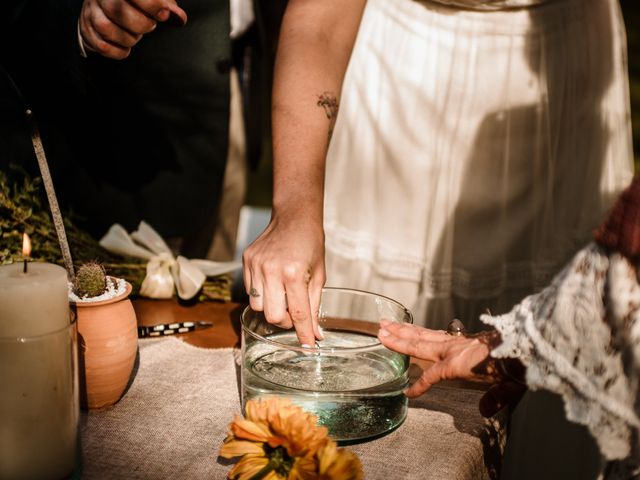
{"points": [[33, 303], [38, 373]]}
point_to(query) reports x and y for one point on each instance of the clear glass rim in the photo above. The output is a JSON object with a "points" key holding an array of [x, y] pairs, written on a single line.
{"points": [[320, 349], [35, 338]]}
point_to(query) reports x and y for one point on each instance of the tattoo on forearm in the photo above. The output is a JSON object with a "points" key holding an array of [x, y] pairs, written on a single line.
{"points": [[329, 102]]}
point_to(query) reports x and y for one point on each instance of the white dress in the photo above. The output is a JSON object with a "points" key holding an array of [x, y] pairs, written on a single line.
{"points": [[478, 144]]}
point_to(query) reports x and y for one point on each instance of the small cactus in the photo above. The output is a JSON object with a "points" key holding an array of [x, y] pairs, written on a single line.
{"points": [[90, 281]]}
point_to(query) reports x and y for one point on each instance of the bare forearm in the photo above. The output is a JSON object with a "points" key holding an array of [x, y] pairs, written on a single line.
{"points": [[315, 44], [284, 268]]}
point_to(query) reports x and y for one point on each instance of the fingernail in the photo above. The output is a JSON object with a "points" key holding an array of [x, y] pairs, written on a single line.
{"points": [[153, 27], [321, 332], [383, 333], [163, 14], [304, 345]]}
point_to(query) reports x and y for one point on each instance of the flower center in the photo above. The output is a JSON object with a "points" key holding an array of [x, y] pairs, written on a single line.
{"points": [[279, 462], [280, 459]]}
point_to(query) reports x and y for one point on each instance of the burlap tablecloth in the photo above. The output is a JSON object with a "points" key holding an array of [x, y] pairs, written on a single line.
{"points": [[174, 417]]}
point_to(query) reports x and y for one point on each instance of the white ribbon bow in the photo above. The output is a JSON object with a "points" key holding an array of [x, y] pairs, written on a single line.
{"points": [[164, 272]]}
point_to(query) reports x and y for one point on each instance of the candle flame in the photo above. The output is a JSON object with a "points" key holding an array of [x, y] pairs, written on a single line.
{"points": [[26, 245]]}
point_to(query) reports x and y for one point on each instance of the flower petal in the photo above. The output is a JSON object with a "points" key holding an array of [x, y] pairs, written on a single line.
{"points": [[237, 448], [256, 410], [248, 430], [343, 464], [274, 476], [327, 455], [304, 469], [276, 441], [248, 467]]}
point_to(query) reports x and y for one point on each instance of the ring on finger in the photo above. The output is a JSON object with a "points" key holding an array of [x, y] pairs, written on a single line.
{"points": [[253, 292], [456, 328]]}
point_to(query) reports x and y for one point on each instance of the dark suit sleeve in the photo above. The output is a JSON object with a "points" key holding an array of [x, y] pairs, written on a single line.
{"points": [[40, 68], [39, 41]]}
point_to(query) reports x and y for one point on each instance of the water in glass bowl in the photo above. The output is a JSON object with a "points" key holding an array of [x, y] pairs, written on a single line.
{"points": [[356, 394]]}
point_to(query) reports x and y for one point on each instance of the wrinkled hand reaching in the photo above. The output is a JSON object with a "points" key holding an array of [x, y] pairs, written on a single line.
{"points": [[453, 357], [112, 27], [284, 274]]}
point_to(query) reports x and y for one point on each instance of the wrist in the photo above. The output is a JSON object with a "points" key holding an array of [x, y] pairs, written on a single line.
{"points": [[298, 209], [500, 369]]}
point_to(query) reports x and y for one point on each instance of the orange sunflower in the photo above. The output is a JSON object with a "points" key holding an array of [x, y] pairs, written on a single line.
{"points": [[279, 440], [338, 463]]}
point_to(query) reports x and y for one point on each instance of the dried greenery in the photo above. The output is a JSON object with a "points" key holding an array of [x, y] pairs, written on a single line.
{"points": [[23, 208]]}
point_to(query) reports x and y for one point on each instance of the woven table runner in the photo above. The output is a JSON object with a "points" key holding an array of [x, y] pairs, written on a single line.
{"points": [[173, 418]]}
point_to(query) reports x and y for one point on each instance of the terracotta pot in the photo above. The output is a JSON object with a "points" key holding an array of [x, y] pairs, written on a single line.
{"points": [[107, 347]]}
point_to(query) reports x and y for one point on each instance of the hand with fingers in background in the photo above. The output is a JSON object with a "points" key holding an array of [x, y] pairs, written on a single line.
{"points": [[458, 357], [112, 27], [184, 115]]}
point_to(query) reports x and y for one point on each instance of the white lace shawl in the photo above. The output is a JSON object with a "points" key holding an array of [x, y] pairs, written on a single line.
{"points": [[579, 338]]}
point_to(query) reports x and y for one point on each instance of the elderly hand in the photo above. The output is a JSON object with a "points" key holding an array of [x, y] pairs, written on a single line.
{"points": [[112, 27], [453, 357], [284, 274]]}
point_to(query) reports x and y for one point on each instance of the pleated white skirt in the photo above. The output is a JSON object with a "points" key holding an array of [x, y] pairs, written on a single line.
{"points": [[475, 151]]}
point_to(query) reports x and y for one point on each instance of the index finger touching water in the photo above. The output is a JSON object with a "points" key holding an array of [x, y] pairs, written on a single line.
{"points": [[300, 311], [315, 298]]}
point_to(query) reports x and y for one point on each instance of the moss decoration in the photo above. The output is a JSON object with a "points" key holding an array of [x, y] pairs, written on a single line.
{"points": [[90, 281]]}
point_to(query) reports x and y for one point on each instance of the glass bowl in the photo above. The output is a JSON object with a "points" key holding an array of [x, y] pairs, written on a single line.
{"points": [[350, 381]]}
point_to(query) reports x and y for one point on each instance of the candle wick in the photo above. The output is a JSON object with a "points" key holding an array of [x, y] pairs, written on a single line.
{"points": [[24, 266]]}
